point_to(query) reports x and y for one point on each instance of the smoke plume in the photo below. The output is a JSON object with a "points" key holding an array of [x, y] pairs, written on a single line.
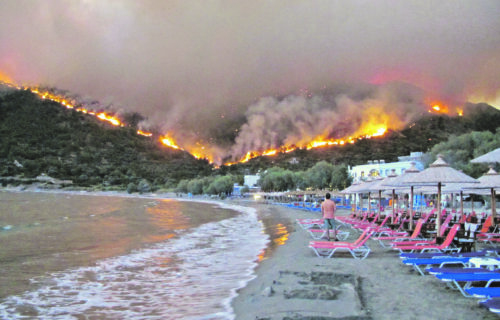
{"points": [[268, 72]]}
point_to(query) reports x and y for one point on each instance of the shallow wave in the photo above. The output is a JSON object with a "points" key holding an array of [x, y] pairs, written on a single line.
{"points": [[193, 276]]}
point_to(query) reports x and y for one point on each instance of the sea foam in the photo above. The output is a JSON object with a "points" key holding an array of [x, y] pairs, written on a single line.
{"points": [[193, 276]]}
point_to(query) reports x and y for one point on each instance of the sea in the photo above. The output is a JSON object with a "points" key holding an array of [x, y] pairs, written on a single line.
{"points": [[109, 257]]}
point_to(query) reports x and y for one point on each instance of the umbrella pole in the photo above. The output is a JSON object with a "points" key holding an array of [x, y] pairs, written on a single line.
{"points": [[393, 202], [379, 201], [438, 222], [493, 204], [369, 203], [422, 200], [411, 208], [461, 204], [360, 195]]}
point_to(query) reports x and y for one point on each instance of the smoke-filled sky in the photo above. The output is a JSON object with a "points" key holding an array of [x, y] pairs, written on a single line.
{"points": [[260, 73]]}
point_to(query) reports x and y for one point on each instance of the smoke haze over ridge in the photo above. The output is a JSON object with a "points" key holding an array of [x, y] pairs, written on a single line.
{"points": [[270, 72]]}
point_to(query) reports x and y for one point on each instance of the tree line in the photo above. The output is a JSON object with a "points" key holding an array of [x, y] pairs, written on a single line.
{"points": [[40, 136]]}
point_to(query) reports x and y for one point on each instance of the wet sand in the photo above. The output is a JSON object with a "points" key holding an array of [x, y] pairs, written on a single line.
{"points": [[293, 283]]}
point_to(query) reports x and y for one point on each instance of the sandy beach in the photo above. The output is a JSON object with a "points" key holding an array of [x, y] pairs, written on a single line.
{"points": [[293, 283]]}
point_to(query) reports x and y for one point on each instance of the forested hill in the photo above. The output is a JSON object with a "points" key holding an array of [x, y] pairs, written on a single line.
{"points": [[40, 136], [420, 135]]}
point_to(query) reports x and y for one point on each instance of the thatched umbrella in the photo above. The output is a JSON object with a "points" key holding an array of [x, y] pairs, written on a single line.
{"points": [[351, 190], [376, 186], [490, 157], [381, 185], [490, 180], [401, 181], [365, 188], [452, 188], [438, 173]]}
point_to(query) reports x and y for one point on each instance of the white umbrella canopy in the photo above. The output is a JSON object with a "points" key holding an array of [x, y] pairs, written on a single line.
{"points": [[380, 185], [366, 188], [437, 174], [349, 191], [353, 186], [490, 157], [399, 182], [450, 188], [358, 187], [490, 180]]}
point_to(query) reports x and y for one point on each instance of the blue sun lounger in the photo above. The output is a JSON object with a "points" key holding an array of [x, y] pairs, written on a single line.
{"points": [[421, 264], [492, 304], [450, 270], [454, 280], [484, 292], [481, 253]]}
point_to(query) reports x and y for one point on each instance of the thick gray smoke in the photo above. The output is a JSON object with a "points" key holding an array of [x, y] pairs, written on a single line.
{"points": [[191, 66], [297, 120]]}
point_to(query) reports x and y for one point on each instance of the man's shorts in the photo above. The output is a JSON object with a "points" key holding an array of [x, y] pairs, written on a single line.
{"points": [[329, 223]]}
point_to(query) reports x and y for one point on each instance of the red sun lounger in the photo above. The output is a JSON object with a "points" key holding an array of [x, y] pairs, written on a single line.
{"points": [[444, 247], [358, 249]]}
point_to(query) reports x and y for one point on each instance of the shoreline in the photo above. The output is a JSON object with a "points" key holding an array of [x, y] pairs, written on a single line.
{"points": [[290, 282], [293, 283]]}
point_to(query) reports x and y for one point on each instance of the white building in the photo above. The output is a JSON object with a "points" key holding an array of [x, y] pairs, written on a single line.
{"points": [[251, 180], [379, 168]]}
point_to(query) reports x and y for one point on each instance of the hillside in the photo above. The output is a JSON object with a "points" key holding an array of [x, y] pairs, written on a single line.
{"points": [[40, 136], [421, 135]]}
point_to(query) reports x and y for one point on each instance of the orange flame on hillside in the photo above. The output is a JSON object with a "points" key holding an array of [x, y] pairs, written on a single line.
{"points": [[113, 120], [169, 142], [144, 133], [438, 107], [372, 131], [46, 95], [5, 79], [375, 123]]}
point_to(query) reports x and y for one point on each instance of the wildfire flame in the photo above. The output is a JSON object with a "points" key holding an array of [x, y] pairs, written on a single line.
{"points": [[169, 142], [113, 120], [375, 124], [438, 107], [144, 133], [378, 131]]}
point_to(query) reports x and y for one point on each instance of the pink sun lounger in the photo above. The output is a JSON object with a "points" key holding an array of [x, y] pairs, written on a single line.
{"points": [[444, 247], [358, 249]]}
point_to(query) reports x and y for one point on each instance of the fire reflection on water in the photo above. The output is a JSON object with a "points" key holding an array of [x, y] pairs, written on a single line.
{"points": [[278, 234], [282, 233], [166, 216]]}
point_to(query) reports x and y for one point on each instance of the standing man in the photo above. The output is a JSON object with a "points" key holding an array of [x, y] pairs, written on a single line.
{"points": [[328, 209]]}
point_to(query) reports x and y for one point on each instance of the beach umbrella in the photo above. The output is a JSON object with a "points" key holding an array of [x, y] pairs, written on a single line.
{"points": [[349, 190], [437, 174], [365, 188], [401, 182], [358, 187], [490, 157], [451, 188], [380, 185], [490, 180]]}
